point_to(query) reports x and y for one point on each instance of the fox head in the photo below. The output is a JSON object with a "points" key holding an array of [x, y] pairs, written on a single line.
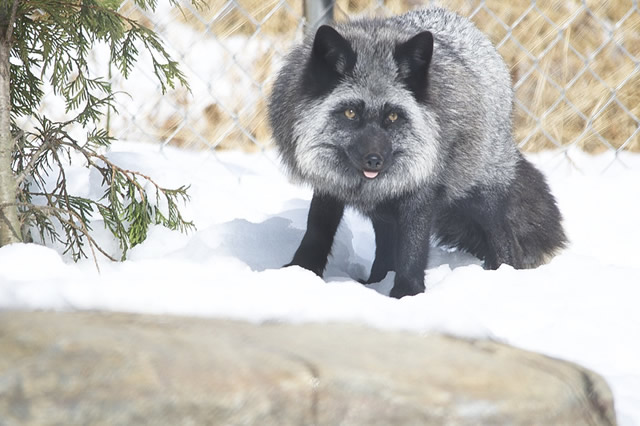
{"points": [[372, 109], [363, 126]]}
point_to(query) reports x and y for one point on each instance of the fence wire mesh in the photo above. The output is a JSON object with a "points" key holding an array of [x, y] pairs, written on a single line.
{"points": [[575, 67]]}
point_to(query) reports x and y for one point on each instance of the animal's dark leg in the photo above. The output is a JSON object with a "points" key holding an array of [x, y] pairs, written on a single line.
{"points": [[454, 228], [488, 208], [414, 228], [324, 217], [503, 247], [384, 262]]}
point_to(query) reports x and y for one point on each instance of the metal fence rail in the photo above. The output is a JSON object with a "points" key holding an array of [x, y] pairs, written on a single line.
{"points": [[575, 67]]}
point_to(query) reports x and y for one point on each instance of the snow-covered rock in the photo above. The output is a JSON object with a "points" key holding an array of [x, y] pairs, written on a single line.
{"points": [[89, 368]]}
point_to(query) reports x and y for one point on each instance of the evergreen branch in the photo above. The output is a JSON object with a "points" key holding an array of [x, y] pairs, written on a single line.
{"points": [[57, 4], [26, 170], [145, 5], [58, 213], [127, 198], [131, 175], [53, 38]]}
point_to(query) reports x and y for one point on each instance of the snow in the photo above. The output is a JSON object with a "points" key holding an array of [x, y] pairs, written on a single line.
{"points": [[582, 306]]}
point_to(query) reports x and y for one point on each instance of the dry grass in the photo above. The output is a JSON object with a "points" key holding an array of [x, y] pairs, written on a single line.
{"points": [[579, 85]]}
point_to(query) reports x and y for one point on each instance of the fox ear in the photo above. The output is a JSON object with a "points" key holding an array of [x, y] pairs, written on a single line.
{"points": [[333, 50], [413, 58], [331, 58]]}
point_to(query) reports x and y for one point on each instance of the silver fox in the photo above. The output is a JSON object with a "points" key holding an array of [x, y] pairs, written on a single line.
{"points": [[408, 120]]}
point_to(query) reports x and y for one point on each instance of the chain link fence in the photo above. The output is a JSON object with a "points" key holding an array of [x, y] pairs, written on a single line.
{"points": [[575, 67]]}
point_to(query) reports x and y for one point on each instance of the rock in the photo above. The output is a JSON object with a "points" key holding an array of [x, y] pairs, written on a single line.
{"points": [[122, 369]]}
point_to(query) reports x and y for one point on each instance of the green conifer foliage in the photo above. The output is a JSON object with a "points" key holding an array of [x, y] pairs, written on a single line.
{"points": [[51, 40]]}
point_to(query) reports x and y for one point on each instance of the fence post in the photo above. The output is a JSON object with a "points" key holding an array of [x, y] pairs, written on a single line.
{"points": [[318, 12]]}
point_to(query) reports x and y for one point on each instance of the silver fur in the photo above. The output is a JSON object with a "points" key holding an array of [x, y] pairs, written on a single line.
{"points": [[452, 170], [463, 66]]}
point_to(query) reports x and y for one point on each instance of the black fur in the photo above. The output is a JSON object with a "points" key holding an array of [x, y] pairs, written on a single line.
{"points": [[516, 225], [408, 120], [331, 58], [413, 58], [324, 217], [402, 232]]}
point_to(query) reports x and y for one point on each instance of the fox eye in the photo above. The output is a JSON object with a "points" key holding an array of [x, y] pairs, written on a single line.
{"points": [[350, 113], [393, 116]]}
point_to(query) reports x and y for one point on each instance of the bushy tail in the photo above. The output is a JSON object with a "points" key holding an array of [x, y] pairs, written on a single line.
{"points": [[534, 216]]}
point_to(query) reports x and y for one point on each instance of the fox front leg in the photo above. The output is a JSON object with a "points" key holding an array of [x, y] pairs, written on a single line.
{"points": [[324, 217], [414, 235], [385, 229]]}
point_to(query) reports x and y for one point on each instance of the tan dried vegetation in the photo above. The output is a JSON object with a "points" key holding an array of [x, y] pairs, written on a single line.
{"points": [[575, 69]]}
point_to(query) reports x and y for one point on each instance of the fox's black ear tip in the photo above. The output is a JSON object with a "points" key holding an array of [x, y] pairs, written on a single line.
{"points": [[428, 37], [330, 47], [326, 32], [424, 39], [322, 29], [418, 48]]}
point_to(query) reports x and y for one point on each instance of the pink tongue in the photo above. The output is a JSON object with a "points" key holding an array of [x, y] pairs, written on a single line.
{"points": [[370, 175]]}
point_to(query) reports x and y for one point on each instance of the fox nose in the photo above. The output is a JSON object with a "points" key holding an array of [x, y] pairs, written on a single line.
{"points": [[373, 161]]}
